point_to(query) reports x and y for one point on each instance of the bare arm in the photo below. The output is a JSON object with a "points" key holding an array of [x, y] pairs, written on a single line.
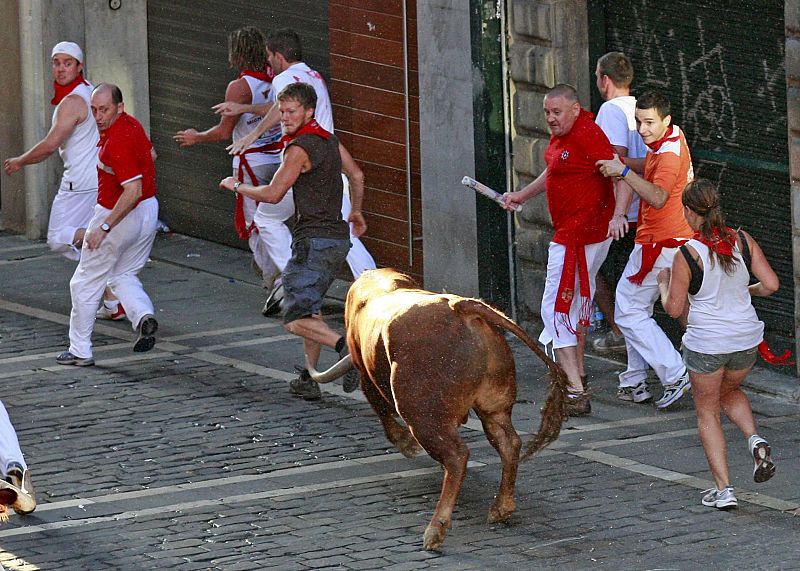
{"points": [[768, 281], [514, 199], [356, 178], [237, 90], [131, 193], [674, 287], [271, 119], [295, 162], [651, 193], [69, 113], [236, 108]]}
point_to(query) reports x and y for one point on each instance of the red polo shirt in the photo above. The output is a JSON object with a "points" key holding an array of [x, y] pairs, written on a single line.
{"points": [[124, 157], [579, 197]]}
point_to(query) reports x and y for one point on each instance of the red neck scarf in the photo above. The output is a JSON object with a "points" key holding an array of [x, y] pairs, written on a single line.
{"points": [[310, 128], [672, 135], [266, 75], [718, 243], [574, 258], [61, 91]]}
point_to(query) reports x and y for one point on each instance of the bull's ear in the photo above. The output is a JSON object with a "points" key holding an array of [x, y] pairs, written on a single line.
{"points": [[331, 374]]}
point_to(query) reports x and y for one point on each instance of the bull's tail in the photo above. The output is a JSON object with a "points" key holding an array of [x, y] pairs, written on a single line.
{"points": [[554, 409]]}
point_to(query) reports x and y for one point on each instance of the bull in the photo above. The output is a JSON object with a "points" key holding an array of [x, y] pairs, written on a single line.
{"points": [[431, 358]]}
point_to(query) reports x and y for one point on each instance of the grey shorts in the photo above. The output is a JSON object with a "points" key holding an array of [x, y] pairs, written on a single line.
{"points": [[309, 273], [704, 363]]}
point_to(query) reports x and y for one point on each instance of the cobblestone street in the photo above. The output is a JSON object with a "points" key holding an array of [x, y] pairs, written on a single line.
{"points": [[195, 455]]}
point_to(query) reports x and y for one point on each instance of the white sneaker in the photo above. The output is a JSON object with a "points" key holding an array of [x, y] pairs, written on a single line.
{"points": [[105, 313], [636, 394], [674, 391], [764, 467], [720, 499]]}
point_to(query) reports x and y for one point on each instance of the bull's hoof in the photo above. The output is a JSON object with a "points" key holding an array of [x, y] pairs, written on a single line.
{"points": [[501, 513], [434, 535]]}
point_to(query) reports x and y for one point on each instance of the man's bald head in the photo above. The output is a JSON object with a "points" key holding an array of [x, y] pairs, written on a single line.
{"points": [[107, 105], [561, 109]]}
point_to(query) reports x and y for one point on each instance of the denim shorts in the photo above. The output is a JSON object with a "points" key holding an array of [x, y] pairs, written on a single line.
{"points": [[705, 364], [309, 273]]}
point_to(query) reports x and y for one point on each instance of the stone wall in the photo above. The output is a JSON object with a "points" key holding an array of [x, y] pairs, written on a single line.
{"points": [[548, 45]]}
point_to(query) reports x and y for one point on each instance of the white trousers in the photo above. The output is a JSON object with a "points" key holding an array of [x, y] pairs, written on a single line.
{"points": [[358, 258], [645, 341], [117, 262], [272, 244], [561, 337], [9, 445], [70, 211]]}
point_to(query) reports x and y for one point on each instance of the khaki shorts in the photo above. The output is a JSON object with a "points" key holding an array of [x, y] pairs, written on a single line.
{"points": [[705, 364]]}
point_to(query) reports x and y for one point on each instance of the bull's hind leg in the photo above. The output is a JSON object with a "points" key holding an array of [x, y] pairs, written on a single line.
{"points": [[506, 441], [443, 443], [395, 432]]}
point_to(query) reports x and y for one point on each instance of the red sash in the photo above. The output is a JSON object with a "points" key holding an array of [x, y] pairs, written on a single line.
{"points": [[650, 253], [242, 229], [574, 258]]}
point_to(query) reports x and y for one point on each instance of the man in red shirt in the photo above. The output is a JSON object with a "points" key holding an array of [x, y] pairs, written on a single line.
{"points": [[120, 235], [581, 204]]}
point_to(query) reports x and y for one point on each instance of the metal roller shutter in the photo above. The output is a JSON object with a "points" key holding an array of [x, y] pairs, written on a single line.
{"points": [[188, 62], [722, 65]]}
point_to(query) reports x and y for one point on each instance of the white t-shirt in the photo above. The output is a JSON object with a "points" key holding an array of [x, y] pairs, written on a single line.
{"points": [[617, 120], [79, 151], [300, 72], [261, 92]]}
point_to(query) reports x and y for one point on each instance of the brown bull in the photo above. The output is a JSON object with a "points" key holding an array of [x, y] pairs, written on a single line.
{"points": [[431, 358]]}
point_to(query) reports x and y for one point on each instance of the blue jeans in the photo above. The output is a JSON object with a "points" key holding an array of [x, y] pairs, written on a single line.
{"points": [[309, 273]]}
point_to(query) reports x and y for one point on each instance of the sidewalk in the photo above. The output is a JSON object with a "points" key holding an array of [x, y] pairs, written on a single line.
{"points": [[195, 456]]}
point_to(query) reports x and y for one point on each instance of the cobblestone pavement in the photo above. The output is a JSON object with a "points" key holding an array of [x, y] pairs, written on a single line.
{"points": [[195, 456]]}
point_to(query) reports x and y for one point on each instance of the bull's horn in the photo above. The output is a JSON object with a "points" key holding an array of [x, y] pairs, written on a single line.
{"points": [[331, 374]]}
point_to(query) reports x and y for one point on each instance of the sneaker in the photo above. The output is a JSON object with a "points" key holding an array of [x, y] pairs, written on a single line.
{"points": [[274, 299], [115, 315], [20, 479], [352, 378], [304, 386], [637, 394], [578, 404], [764, 467], [67, 358], [720, 499], [674, 391], [147, 329], [609, 343]]}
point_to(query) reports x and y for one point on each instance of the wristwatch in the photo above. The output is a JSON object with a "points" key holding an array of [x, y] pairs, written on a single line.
{"points": [[236, 185], [105, 227]]}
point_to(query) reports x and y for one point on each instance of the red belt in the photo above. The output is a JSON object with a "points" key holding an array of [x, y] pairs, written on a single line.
{"points": [[650, 253]]}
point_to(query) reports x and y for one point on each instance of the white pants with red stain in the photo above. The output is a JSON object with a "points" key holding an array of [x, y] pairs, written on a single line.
{"points": [[358, 258], [646, 343], [559, 335], [117, 262], [71, 210], [9, 445]]}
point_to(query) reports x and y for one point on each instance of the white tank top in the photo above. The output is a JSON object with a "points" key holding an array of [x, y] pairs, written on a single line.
{"points": [[299, 72], [721, 316], [261, 92], [79, 151]]}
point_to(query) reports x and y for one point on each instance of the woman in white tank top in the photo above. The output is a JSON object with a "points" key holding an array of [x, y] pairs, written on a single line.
{"points": [[721, 341]]}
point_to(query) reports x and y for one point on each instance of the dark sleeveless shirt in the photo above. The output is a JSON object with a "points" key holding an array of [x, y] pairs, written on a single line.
{"points": [[318, 192]]}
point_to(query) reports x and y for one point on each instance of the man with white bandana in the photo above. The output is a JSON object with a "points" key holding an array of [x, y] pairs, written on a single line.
{"points": [[74, 135]]}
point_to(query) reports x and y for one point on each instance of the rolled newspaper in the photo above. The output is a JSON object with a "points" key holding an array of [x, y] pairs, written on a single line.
{"points": [[485, 190]]}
